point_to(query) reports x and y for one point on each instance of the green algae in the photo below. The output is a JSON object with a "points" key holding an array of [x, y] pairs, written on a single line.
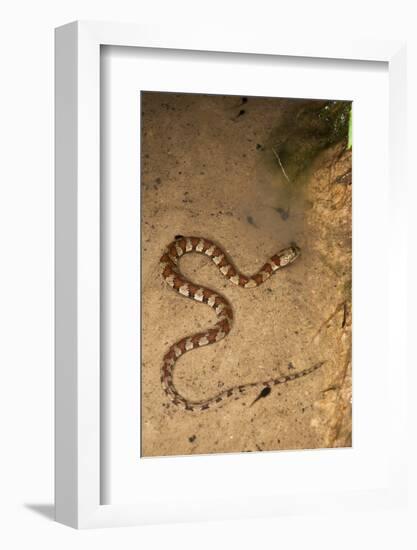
{"points": [[315, 126]]}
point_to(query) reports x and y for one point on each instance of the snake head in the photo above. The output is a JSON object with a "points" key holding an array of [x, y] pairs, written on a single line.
{"points": [[288, 255]]}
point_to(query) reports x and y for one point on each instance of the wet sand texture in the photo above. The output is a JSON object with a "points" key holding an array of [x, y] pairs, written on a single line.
{"points": [[209, 169]]}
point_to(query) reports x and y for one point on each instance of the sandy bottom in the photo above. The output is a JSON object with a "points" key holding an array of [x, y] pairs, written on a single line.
{"points": [[210, 170]]}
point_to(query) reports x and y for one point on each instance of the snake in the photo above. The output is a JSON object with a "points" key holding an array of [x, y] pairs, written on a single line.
{"points": [[172, 276]]}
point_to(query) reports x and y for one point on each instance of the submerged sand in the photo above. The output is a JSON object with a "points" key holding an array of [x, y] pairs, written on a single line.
{"points": [[208, 170]]}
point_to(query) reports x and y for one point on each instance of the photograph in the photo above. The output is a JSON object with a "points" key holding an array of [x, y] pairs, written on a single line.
{"points": [[246, 341], [208, 222]]}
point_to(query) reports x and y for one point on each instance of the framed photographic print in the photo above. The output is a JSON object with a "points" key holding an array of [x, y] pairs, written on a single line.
{"points": [[225, 334]]}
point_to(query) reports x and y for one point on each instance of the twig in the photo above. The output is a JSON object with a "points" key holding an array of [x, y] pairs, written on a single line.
{"points": [[280, 163], [343, 306], [334, 387], [344, 315]]}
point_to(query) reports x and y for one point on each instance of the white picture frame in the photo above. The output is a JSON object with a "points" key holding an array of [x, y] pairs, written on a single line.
{"points": [[78, 406]]}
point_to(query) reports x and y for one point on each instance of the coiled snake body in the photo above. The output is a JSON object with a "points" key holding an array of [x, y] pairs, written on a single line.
{"points": [[173, 278]]}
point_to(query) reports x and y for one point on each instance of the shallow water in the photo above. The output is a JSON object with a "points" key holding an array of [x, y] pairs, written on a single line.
{"points": [[210, 170]]}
